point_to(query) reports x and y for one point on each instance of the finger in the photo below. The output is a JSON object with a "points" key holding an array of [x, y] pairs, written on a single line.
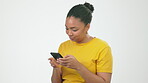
{"points": [[68, 56], [51, 62], [66, 65], [63, 59], [54, 64], [63, 62], [50, 58]]}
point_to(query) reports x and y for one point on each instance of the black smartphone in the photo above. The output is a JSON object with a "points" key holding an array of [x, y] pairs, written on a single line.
{"points": [[56, 55]]}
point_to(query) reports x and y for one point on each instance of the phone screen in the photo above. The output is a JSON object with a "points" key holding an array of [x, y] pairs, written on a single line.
{"points": [[56, 55]]}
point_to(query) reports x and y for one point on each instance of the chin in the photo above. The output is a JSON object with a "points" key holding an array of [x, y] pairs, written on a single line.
{"points": [[73, 40]]}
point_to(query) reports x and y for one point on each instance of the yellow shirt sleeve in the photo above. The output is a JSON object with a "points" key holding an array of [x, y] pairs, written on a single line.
{"points": [[104, 62]]}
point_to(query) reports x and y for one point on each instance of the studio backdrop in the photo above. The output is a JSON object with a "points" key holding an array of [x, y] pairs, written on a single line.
{"points": [[30, 29]]}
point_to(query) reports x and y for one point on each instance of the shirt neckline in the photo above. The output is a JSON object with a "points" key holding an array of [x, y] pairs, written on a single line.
{"points": [[81, 44]]}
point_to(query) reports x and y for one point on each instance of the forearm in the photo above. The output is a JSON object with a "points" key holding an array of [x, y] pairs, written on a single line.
{"points": [[90, 77], [56, 76]]}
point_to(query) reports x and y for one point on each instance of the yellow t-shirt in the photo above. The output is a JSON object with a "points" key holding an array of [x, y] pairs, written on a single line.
{"points": [[95, 55]]}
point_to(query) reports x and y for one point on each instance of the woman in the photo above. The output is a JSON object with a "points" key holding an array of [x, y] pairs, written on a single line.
{"points": [[86, 59]]}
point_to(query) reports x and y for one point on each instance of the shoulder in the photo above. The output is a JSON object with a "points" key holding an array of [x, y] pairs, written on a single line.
{"points": [[101, 43], [65, 43]]}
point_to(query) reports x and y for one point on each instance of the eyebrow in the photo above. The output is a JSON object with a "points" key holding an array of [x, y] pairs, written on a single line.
{"points": [[71, 27]]}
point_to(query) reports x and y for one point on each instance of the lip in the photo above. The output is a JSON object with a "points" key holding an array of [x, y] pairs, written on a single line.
{"points": [[71, 38]]}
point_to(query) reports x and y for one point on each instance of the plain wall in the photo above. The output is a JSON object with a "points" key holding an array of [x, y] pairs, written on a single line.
{"points": [[30, 29]]}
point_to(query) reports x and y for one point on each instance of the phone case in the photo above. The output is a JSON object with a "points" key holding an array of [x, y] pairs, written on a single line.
{"points": [[56, 55]]}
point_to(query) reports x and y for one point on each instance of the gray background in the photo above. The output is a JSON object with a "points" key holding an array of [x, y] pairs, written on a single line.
{"points": [[30, 29]]}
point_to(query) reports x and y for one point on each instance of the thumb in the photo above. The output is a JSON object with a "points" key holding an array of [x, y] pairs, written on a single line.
{"points": [[51, 59]]}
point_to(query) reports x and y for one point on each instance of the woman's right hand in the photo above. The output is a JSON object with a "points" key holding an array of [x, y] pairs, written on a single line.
{"points": [[53, 63]]}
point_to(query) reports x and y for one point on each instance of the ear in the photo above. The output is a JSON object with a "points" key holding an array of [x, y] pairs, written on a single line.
{"points": [[87, 27]]}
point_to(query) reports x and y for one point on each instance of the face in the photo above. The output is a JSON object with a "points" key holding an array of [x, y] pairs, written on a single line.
{"points": [[75, 29]]}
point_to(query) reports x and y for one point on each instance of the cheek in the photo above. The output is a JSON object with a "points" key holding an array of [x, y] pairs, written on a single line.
{"points": [[78, 33], [66, 32]]}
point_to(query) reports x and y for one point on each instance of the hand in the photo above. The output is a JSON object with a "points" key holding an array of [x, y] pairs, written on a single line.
{"points": [[53, 63], [70, 62]]}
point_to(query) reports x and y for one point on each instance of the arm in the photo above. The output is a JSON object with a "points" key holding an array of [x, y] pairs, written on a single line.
{"points": [[70, 62], [104, 63], [56, 75], [90, 77]]}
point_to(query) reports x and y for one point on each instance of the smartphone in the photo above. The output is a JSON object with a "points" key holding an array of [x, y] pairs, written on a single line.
{"points": [[56, 55]]}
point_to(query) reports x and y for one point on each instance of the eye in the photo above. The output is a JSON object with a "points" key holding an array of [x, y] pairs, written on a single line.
{"points": [[75, 30], [66, 28]]}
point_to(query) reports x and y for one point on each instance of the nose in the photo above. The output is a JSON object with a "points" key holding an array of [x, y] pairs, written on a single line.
{"points": [[69, 32]]}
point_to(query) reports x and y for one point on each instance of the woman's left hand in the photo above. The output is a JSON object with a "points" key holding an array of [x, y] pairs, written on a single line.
{"points": [[70, 62]]}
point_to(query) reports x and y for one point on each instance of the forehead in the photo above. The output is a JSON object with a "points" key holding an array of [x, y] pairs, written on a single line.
{"points": [[73, 22]]}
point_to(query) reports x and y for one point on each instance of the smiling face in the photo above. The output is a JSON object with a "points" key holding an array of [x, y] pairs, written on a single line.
{"points": [[75, 29]]}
